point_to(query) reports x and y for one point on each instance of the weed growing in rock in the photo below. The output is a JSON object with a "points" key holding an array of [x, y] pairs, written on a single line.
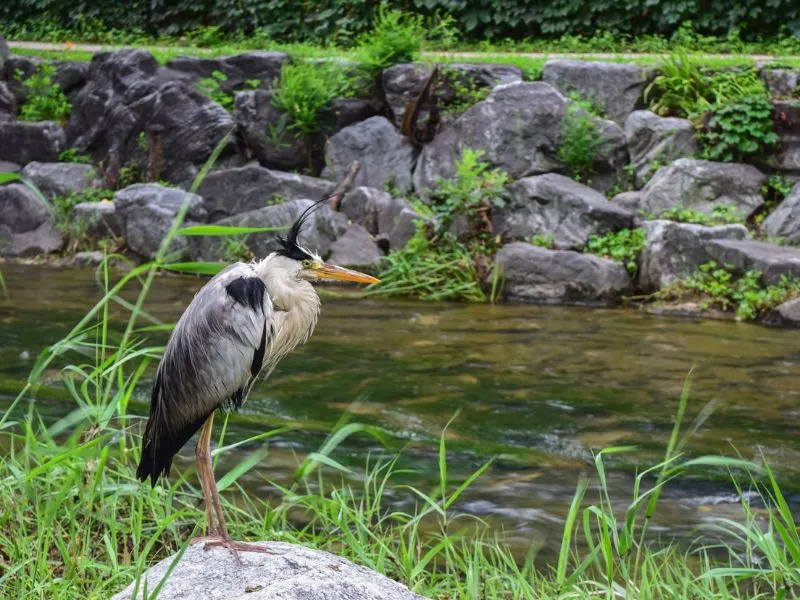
{"points": [[543, 240], [235, 248], [211, 87], [623, 246], [738, 131], [73, 155], [396, 37], [746, 295], [581, 141], [304, 92], [75, 230], [44, 99], [774, 189], [466, 92], [723, 214]]}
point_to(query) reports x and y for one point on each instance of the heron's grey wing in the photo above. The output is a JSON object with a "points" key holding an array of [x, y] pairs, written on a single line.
{"points": [[213, 357]]}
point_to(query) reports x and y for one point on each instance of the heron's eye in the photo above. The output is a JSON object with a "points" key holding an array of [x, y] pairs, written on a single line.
{"points": [[306, 264]]}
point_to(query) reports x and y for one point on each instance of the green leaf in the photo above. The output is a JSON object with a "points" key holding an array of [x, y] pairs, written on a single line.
{"points": [[222, 230]]}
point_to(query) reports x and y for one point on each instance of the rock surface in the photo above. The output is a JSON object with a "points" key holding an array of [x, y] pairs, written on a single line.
{"points": [[701, 185], [240, 70], [618, 88], [290, 573], [787, 126], [8, 103], [537, 275], [631, 201], [654, 140], [784, 315], [355, 248], [128, 93], [557, 206], [770, 260], [146, 212], [780, 83], [518, 127], [233, 191], [675, 250], [61, 179], [25, 225], [784, 221], [101, 218], [392, 220], [402, 83], [385, 156], [22, 143]]}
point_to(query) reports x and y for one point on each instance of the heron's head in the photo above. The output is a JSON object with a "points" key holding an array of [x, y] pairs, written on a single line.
{"points": [[308, 265]]}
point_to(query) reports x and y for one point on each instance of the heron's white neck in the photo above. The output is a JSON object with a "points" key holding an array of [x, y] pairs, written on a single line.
{"points": [[295, 302]]}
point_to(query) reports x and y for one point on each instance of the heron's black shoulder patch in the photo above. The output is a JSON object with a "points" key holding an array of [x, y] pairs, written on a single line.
{"points": [[247, 291]]}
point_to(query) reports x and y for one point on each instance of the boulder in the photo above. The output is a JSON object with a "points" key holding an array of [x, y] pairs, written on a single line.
{"points": [[3, 52], [701, 185], [787, 126], [780, 83], [146, 212], [233, 191], [355, 248], [263, 133], [42, 240], [287, 572], [61, 179], [784, 221], [385, 156], [129, 94], [22, 142], [25, 224], [402, 83], [392, 220], [240, 70], [784, 315], [656, 141], [674, 251], [347, 111], [9, 167], [541, 276], [321, 229], [628, 200], [555, 205], [101, 218], [618, 88], [770, 260], [518, 129], [8, 103]]}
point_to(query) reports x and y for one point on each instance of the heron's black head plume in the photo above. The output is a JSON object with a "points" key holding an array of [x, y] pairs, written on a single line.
{"points": [[290, 247]]}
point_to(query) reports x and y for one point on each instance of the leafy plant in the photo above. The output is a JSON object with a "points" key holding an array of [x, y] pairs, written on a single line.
{"points": [[44, 99], [543, 240], [623, 246], [396, 37], [581, 141], [722, 214], [680, 89], [235, 248], [211, 87], [739, 131], [73, 155], [304, 92], [466, 92]]}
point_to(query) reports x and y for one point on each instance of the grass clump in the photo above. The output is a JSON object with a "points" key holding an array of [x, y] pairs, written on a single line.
{"points": [[73, 155], [747, 296], [723, 214], [396, 37], [623, 246], [581, 140], [44, 100]]}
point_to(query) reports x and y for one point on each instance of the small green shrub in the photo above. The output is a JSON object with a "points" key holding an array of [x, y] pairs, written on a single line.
{"points": [[746, 295], [304, 92], [623, 246], [44, 99], [211, 87], [75, 230], [466, 92], [723, 214], [581, 142], [73, 155], [396, 37], [739, 131]]}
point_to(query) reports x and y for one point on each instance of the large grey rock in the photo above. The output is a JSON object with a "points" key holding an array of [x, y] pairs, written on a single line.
{"points": [[781, 83], [555, 205], [392, 220], [234, 191], [656, 141], [518, 128], [22, 143], [146, 212], [240, 70], [3, 52], [540, 276], [128, 93], [263, 132], [385, 156], [770, 260], [9, 167], [42, 240], [617, 87], [787, 126], [355, 248], [784, 315], [701, 185], [8, 103], [288, 572], [784, 221], [25, 225], [631, 200], [674, 251], [348, 111], [61, 179], [321, 229], [402, 83], [100, 217]]}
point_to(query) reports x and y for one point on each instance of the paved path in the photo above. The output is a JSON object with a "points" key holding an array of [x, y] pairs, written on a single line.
{"points": [[454, 54]]}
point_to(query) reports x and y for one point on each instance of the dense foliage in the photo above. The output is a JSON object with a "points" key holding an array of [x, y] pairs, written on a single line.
{"points": [[342, 21]]}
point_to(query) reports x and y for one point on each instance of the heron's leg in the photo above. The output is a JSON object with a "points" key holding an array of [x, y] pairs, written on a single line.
{"points": [[204, 468]]}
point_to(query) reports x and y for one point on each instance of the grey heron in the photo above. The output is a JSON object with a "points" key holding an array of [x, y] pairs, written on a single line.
{"points": [[239, 325]]}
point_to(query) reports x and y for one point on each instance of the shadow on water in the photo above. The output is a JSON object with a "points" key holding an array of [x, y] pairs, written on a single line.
{"points": [[540, 388]]}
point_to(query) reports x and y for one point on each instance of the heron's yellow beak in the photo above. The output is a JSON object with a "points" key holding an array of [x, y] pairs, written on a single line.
{"points": [[326, 271]]}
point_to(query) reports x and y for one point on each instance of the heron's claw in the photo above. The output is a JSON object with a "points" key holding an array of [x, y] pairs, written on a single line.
{"points": [[232, 545]]}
